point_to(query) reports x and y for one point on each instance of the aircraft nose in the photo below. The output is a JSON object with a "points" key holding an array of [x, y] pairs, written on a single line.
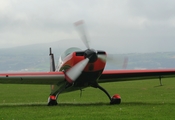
{"points": [[91, 54]]}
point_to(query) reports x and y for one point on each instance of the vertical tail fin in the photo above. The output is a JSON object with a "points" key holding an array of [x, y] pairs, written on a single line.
{"points": [[52, 61]]}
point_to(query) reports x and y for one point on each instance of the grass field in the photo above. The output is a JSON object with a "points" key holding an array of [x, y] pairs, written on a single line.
{"points": [[140, 100]]}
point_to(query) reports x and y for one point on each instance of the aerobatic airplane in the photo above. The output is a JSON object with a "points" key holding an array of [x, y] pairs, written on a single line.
{"points": [[79, 69]]}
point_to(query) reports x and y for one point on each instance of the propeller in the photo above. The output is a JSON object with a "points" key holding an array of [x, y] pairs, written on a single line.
{"points": [[73, 73], [81, 30], [118, 60], [90, 55]]}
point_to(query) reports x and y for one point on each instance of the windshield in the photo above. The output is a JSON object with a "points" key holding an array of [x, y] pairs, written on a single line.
{"points": [[68, 51]]}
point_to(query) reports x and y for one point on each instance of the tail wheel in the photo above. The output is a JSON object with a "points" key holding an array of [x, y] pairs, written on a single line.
{"points": [[116, 99]]}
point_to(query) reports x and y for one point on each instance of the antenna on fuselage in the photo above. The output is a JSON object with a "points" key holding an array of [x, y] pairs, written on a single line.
{"points": [[52, 61]]}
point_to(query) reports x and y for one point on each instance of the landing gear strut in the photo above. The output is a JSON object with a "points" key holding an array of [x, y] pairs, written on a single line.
{"points": [[116, 99]]}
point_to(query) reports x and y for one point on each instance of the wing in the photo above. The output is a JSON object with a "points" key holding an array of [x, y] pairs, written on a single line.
{"points": [[128, 75], [32, 78]]}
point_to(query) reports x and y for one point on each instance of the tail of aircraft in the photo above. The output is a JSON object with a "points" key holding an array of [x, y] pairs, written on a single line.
{"points": [[52, 98], [52, 61]]}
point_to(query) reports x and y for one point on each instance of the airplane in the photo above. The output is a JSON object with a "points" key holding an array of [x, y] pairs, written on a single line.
{"points": [[78, 69]]}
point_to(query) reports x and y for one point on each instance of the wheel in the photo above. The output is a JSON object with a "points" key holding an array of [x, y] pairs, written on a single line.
{"points": [[52, 101], [116, 99]]}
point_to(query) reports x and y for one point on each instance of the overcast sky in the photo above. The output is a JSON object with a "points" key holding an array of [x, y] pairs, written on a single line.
{"points": [[119, 25]]}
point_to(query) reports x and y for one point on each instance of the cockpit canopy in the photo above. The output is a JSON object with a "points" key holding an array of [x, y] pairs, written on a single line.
{"points": [[68, 51]]}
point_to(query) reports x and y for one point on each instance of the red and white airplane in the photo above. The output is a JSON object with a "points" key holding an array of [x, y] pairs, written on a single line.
{"points": [[79, 69]]}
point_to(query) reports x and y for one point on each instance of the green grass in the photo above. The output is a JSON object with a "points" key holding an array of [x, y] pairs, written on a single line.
{"points": [[140, 100]]}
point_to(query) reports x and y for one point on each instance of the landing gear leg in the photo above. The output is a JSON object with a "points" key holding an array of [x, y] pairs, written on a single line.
{"points": [[116, 99], [52, 100]]}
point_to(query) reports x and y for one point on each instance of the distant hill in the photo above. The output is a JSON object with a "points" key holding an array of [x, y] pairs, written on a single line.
{"points": [[33, 57], [36, 57], [152, 60]]}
